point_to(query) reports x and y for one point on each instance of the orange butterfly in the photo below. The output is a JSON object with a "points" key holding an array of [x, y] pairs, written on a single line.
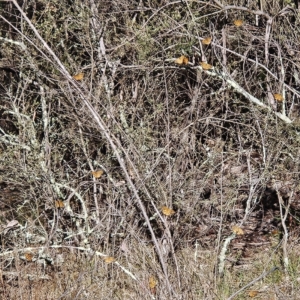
{"points": [[59, 204], [206, 41], [278, 97], [237, 230], [78, 76], [252, 294], [182, 60], [238, 23], [109, 259], [98, 173], [28, 256], [205, 66], [167, 211]]}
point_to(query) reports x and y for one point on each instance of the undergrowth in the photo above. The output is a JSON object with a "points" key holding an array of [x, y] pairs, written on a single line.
{"points": [[187, 159]]}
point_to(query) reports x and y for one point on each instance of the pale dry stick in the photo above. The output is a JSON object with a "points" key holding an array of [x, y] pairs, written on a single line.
{"points": [[253, 186], [286, 233], [224, 39], [262, 141], [248, 203], [93, 63], [150, 173], [262, 276], [45, 155], [235, 74], [222, 256], [257, 16], [267, 40], [270, 96], [96, 29], [282, 76], [114, 142]]}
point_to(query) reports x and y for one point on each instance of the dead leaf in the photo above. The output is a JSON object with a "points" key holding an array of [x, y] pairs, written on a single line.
{"points": [[98, 173], [252, 293], [278, 97], [182, 60], [238, 23], [206, 41], [78, 76], [237, 230], [59, 204], [205, 66], [109, 259], [167, 211]]}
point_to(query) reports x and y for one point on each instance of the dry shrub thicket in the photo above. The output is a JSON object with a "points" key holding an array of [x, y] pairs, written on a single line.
{"points": [[213, 145]]}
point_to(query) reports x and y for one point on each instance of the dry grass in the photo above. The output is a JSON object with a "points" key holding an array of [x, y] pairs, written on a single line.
{"points": [[213, 145]]}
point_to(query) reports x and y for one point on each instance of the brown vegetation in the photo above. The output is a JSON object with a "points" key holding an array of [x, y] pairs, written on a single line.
{"points": [[149, 149]]}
